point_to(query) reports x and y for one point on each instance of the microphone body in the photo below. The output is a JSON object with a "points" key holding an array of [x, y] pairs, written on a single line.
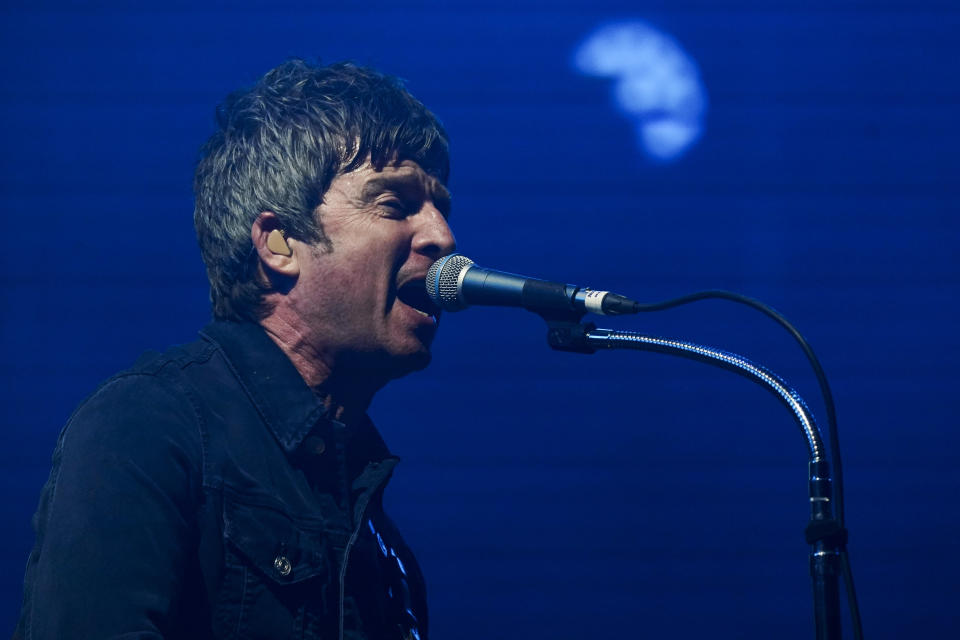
{"points": [[454, 283]]}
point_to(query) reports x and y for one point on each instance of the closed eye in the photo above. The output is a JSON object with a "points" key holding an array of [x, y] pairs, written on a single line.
{"points": [[394, 207]]}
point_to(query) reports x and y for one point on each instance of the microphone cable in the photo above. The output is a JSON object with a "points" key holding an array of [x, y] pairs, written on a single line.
{"points": [[833, 435]]}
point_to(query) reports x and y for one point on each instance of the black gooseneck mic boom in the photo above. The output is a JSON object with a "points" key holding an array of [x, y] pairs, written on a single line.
{"points": [[454, 283]]}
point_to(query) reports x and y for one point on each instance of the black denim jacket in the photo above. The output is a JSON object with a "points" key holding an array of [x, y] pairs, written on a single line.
{"points": [[206, 493]]}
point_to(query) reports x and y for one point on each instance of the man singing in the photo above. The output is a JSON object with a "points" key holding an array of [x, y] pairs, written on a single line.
{"points": [[232, 487]]}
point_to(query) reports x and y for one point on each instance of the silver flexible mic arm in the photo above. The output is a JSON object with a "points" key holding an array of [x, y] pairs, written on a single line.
{"points": [[821, 533], [609, 339]]}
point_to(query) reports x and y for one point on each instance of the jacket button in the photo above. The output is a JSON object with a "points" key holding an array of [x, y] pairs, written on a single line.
{"points": [[315, 445], [282, 565]]}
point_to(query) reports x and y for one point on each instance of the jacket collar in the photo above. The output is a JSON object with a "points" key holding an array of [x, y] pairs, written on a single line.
{"points": [[287, 405]]}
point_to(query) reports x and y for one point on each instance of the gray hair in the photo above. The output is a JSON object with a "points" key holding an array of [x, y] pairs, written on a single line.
{"points": [[279, 145]]}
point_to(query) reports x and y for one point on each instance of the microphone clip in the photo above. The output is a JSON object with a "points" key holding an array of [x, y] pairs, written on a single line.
{"points": [[565, 332]]}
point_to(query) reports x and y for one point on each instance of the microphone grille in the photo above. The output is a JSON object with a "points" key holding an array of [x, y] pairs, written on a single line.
{"points": [[442, 280]]}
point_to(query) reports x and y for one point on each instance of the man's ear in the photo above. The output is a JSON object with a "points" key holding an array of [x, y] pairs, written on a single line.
{"points": [[278, 255]]}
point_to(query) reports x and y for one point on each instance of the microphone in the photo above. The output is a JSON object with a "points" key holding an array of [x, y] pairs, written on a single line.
{"points": [[454, 283]]}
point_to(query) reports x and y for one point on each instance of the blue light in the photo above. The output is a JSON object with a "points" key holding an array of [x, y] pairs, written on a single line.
{"points": [[657, 84]]}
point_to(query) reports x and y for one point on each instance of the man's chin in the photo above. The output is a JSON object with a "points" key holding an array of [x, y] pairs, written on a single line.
{"points": [[413, 362], [398, 361]]}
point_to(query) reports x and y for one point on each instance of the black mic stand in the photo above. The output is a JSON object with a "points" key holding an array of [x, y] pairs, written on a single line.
{"points": [[823, 533]]}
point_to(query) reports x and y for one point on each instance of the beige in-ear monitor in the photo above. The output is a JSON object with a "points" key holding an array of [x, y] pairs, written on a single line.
{"points": [[277, 243]]}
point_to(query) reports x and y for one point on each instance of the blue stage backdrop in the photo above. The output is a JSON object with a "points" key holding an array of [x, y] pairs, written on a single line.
{"points": [[801, 152]]}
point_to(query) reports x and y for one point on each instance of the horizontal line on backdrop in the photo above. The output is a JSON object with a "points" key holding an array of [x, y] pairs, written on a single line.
{"points": [[507, 98], [562, 184], [486, 7], [98, 280]]}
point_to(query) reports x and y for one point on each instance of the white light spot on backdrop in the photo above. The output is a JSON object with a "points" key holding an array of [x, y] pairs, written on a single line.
{"points": [[657, 84]]}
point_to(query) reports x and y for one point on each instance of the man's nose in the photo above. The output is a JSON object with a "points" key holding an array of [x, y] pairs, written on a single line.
{"points": [[434, 238]]}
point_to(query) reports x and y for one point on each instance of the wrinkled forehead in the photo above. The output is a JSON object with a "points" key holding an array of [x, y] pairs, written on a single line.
{"points": [[412, 171]]}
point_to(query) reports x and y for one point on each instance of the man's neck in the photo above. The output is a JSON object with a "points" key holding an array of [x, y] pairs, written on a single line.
{"points": [[345, 391]]}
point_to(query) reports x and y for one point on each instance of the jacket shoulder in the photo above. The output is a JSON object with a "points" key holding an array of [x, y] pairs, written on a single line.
{"points": [[147, 407]]}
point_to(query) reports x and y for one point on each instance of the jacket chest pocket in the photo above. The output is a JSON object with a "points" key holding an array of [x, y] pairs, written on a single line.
{"points": [[277, 578]]}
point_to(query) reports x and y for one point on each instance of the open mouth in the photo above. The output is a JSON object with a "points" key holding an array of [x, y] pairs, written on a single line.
{"points": [[414, 294]]}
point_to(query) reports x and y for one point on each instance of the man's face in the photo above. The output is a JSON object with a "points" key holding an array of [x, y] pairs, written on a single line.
{"points": [[364, 302]]}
